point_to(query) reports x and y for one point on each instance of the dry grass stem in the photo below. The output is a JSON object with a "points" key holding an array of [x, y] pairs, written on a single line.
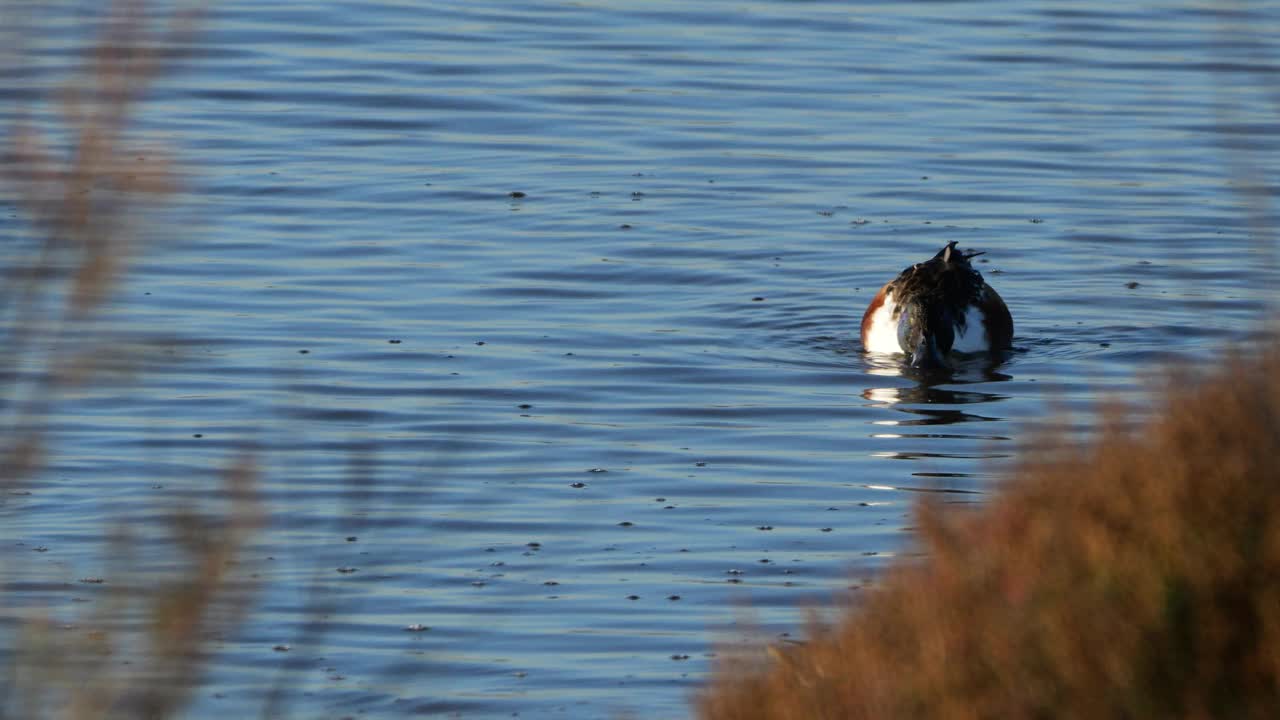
{"points": [[84, 188]]}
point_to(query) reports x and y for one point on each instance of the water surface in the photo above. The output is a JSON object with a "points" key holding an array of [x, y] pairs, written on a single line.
{"points": [[607, 419]]}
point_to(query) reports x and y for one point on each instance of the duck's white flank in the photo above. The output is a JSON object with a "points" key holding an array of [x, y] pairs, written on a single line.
{"points": [[882, 334], [973, 339]]}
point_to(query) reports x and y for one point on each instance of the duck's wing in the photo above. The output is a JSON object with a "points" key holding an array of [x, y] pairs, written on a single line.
{"points": [[996, 317]]}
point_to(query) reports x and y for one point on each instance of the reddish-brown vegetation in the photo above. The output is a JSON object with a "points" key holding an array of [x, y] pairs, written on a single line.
{"points": [[1134, 576]]}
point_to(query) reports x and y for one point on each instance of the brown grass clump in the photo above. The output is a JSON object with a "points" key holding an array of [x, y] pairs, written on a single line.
{"points": [[1133, 576]]}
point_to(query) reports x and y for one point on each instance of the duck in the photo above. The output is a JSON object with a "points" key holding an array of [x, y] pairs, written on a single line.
{"points": [[936, 308]]}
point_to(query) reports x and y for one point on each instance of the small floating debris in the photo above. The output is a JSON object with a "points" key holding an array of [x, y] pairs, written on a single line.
{"points": [[417, 627]]}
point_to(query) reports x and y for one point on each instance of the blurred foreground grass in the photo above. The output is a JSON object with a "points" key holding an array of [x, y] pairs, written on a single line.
{"points": [[84, 193], [1134, 576]]}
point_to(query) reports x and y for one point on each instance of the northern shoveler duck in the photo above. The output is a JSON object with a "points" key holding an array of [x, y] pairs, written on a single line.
{"points": [[935, 308]]}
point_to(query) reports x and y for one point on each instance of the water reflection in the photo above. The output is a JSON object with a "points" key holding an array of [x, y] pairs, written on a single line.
{"points": [[933, 400], [933, 391]]}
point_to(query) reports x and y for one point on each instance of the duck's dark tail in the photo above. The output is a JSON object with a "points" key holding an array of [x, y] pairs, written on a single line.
{"points": [[949, 252], [945, 253]]}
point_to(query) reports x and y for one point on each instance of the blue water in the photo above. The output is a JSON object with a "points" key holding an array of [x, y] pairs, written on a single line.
{"points": [[712, 193]]}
